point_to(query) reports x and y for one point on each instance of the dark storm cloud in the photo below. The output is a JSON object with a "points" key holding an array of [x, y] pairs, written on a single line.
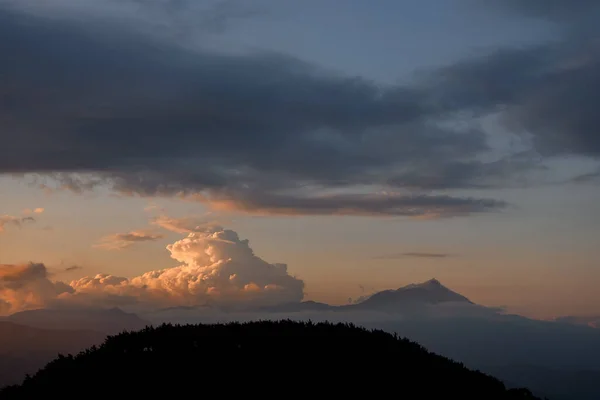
{"points": [[148, 117], [359, 204], [549, 91], [112, 100], [554, 10], [185, 16], [263, 132]]}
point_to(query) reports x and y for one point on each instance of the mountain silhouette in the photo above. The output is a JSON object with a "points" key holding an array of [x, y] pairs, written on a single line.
{"points": [[430, 292], [266, 359], [405, 298], [108, 321], [299, 307], [591, 321]]}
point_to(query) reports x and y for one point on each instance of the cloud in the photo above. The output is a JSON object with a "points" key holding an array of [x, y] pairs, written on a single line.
{"points": [[120, 241], [418, 206], [73, 268], [255, 130], [172, 18], [27, 286], [216, 268], [6, 220], [414, 254], [546, 92], [150, 208], [568, 12], [38, 210], [185, 224], [9, 219], [265, 133]]}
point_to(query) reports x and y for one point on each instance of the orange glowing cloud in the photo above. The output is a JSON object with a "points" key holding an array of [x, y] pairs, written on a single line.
{"points": [[216, 267]]}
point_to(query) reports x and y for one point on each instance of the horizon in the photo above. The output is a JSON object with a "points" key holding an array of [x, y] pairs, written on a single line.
{"points": [[174, 154]]}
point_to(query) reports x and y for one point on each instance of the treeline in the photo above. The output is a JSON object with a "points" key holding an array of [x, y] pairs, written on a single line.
{"points": [[264, 359]]}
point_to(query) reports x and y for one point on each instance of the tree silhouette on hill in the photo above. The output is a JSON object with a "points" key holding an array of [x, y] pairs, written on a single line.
{"points": [[267, 359]]}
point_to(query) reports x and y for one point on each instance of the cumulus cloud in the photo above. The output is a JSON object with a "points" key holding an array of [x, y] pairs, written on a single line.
{"points": [[120, 241], [216, 268], [27, 286]]}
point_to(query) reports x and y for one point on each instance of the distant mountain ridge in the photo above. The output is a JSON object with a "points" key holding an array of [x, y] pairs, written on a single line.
{"points": [[108, 321], [402, 299], [444, 321], [591, 321], [429, 292]]}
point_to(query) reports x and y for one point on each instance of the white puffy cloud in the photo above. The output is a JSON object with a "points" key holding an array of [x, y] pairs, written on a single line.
{"points": [[216, 268], [26, 286]]}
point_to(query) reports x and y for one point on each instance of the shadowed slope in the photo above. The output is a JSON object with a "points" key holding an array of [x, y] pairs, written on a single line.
{"points": [[270, 359], [24, 349]]}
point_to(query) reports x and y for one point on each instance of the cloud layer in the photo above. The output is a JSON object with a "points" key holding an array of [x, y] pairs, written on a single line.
{"points": [[185, 224], [120, 241], [144, 114], [216, 268], [257, 132]]}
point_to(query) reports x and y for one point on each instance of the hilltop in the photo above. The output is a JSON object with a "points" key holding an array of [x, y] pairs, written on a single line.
{"points": [[266, 359]]}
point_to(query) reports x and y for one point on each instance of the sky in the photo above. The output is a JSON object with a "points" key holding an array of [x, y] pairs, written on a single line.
{"points": [[358, 146]]}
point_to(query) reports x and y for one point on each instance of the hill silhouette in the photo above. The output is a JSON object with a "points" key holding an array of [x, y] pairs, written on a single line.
{"points": [[268, 359]]}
